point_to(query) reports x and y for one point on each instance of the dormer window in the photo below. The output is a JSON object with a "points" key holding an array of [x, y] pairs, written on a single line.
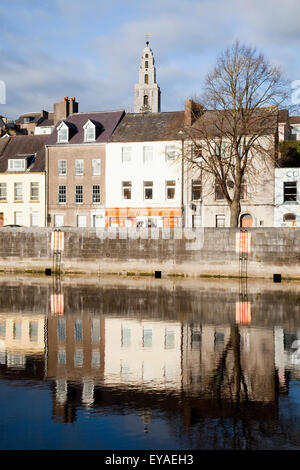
{"points": [[89, 132], [62, 133], [18, 164]]}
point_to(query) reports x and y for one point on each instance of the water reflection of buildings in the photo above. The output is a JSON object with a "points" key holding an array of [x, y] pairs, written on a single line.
{"points": [[22, 342]]}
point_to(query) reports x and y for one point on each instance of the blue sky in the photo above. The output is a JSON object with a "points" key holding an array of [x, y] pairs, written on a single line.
{"points": [[91, 49]]}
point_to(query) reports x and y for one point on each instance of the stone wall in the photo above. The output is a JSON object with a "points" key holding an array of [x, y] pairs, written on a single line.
{"points": [[192, 253]]}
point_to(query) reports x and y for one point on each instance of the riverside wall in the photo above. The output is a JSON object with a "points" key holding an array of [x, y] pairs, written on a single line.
{"points": [[141, 252]]}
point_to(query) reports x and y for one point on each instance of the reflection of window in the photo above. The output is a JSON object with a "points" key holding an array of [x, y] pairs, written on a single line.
{"points": [[195, 339], [125, 337], [33, 331], [61, 357], [196, 190], [61, 329], [126, 187], [170, 189], [169, 339], [289, 217], [147, 338], [2, 329], [78, 358], [17, 330], [78, 331], [125, 372], [219, 341], [290, 191], [95, 331], [95, 359], [148, 189]]}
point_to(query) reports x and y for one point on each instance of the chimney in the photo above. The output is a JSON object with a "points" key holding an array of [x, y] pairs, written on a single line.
{"points": [[73, 106], [192, 111]]}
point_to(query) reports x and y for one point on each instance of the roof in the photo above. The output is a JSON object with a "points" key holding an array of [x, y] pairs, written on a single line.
{"points": [[35, 117], [294, 119], [46, 122], [148, 127], [20, 145], [105, 122]]}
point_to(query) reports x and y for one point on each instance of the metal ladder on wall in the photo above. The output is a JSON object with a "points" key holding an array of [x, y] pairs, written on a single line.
{"points": [[243, 254], [57, 252]]}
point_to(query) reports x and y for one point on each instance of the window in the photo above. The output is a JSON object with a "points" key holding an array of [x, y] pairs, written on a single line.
{"points": [[146, 78], [196, 190], [78, 358], [125, 337], [17, 330], [220, 221], [34, 191], [96, 166], [18, 192], [220, 150], [81, 221], [170, 189], [146, 64], [290, 191], [170, 152], [2, 329], [147, 338], [148, 189], [62, 167], [61, 329], [78, 331], [78, 194], [96, 193], [145, 100], [126, 187], [18, 218], [146, 55], [34, 219], [78, 167], [17, 164], [62, 135], [90, 133], [95, 362], [148, 154], [58, 220], [244, 192], [61, 357], [126, 154], [219, 195], [95, 331], [62, 194], [3, 191]]}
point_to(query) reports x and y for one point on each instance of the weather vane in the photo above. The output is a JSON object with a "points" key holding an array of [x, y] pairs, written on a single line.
{"points": [[147, 36]]}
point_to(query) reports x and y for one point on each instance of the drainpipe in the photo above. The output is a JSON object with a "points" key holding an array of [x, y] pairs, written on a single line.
{"points": [[46, 188], [182, 178]]}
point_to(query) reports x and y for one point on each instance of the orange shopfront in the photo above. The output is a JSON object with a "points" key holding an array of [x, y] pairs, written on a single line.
{"points": [[143, 217]]}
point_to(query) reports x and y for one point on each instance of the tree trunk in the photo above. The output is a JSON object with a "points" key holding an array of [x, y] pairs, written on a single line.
{"points": [[235, 210]]}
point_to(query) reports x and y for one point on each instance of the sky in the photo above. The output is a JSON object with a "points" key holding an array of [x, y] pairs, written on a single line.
{"points": [[91, 49]]}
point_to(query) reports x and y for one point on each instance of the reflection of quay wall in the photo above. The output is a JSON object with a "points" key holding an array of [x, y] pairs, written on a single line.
{"points": [[251, 349], [22, 333], [75, 347], [211, 252], [143, 353]]}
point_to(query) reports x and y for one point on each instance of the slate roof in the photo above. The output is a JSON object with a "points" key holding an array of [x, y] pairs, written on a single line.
{"points": [[11, 147], [294, 119], [105, 121], [35, 117], [147, 127], [46, 122]]}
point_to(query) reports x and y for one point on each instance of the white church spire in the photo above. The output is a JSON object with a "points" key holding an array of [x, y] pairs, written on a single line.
{"points": [[147, 91]]}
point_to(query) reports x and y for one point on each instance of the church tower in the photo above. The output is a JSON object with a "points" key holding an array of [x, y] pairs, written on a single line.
{"points": [[147, 92]]}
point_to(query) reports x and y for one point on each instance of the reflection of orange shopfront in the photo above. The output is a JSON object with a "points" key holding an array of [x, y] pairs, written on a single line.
{"points": [[147, 217]]}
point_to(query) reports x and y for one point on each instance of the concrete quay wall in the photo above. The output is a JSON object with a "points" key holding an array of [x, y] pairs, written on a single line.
{"points": [[174, 252]]}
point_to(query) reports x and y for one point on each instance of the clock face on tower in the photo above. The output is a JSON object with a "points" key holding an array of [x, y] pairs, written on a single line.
{"points": [[147, 92]]}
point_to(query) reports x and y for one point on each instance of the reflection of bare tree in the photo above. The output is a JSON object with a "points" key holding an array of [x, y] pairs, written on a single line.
{"points": [[228, 381]]}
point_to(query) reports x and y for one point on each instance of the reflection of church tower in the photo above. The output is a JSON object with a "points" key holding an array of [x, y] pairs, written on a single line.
{"points": [[147, 92]]}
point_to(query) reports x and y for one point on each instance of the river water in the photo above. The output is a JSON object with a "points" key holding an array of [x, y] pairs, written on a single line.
{"points": [[149, 364]]}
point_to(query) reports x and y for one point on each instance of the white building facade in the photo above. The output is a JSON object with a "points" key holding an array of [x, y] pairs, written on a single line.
{"points": [[287, 197]]}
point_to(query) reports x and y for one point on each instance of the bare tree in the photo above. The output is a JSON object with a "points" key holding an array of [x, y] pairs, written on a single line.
{"points": [[235, 122]]}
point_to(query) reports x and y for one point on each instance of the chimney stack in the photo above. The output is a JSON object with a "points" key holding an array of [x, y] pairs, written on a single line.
{"points": [[64, 108], [192, 111]]}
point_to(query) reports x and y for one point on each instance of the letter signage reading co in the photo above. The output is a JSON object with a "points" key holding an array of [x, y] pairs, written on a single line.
{"points": [[292, 174]]}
